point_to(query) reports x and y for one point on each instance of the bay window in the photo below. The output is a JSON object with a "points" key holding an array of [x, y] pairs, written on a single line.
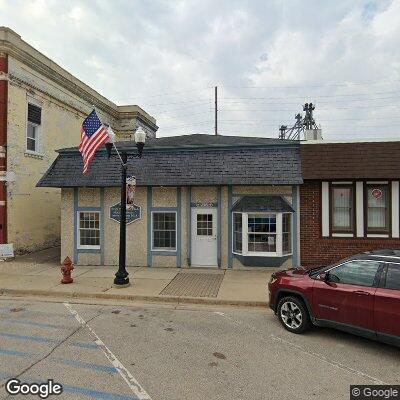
{"points": [[262, 233]]}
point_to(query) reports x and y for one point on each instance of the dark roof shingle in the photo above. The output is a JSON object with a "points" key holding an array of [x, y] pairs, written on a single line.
{"points": [[259, 165], [363, 160], [262, 203]]}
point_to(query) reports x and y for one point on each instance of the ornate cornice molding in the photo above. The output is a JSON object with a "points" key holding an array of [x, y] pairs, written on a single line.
{"points": [[72, 84]]}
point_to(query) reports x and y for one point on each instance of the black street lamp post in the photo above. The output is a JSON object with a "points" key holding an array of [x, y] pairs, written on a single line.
{"points": [[121, 277]]}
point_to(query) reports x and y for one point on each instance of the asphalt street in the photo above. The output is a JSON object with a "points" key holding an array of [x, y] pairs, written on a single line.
{"points": [[173, 353]]}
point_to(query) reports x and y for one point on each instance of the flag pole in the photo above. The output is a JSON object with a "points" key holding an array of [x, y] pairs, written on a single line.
{"points": [[115, 147]]}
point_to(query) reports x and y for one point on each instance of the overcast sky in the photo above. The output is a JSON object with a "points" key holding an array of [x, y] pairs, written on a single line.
{"points": [[267, 58]]}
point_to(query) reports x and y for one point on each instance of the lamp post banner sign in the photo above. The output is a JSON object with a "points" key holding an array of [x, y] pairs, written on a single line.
{"points": [[130, 191]]}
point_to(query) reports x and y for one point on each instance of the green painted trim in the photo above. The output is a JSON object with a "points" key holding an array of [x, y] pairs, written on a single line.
{"points": [[75, 226], [230, 253], [179, 227], [102, 221], [149, 206]]}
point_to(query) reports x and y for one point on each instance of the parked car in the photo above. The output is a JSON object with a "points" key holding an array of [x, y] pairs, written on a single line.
{"points": [[360, 295]]}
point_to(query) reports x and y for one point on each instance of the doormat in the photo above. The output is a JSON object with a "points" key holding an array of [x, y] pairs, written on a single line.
{"points": [[194, 285]]}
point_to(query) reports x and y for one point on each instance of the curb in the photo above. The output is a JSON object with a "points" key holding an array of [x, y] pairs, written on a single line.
{"points": [[151, 299]]}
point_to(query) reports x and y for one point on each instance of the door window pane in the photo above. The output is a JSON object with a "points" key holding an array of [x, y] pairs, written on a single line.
{"points": [[204, 224], [164, 230], [393, 277], [342, 208], [358, 272], [377, 203]]}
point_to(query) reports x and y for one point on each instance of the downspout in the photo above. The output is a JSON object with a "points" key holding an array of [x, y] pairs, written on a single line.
{"points": [[3, 145]]}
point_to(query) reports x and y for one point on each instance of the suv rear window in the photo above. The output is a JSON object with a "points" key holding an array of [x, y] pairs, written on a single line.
{"points": [[393, 277]]}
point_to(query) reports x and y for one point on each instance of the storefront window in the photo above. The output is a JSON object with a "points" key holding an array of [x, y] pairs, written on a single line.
{"points": [[89, 230], [342, 209], [164, 230], [378, 206], [261, 233]]}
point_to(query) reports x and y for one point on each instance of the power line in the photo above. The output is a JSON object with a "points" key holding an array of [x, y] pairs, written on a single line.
{"points": [[317, 85], [319, 109]]}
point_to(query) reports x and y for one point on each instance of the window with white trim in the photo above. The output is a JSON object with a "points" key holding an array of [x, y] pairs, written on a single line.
{"points": [[262, 234], [261, 231], [88, 230], [342, 208], [286, 233], [33, 128], [164, 230], [237, 232], [377, 208]]}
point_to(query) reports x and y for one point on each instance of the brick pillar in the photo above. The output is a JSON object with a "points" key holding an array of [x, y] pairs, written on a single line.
{"points": [[3, 145]]}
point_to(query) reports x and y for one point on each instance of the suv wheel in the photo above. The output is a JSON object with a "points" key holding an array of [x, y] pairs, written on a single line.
{"points": [[293, 314]]}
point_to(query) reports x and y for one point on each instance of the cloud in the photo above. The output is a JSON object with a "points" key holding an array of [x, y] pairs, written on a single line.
{"points": [[267, 58]]}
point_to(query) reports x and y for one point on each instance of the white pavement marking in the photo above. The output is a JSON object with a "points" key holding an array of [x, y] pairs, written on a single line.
{"points": [[318, 356], [133, 384], [322, 358]]}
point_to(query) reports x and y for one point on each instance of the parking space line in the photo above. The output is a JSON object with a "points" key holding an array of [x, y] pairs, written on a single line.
{"points": [[31, 323], [133, 384], [28, 338], [60, 360], [95, 394], [317, 356], [334, 364], [43, 339], [86, 365]]}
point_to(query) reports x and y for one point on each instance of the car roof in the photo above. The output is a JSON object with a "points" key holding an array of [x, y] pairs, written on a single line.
{"points": [[388, 255]]}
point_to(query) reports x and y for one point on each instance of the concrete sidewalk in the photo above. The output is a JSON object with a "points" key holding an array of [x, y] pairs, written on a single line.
{"points": [[39, 274]]}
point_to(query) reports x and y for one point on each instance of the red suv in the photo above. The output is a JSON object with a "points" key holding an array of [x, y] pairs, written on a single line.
{"points": [[360, 295]]}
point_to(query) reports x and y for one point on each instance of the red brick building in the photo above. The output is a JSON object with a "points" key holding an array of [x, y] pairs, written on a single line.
{"points": [[349, 201]]}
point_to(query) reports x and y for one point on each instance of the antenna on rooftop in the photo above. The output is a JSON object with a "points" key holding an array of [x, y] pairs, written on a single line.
{"points": [[305, 127]]}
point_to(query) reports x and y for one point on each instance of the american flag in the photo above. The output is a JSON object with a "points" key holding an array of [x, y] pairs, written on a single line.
{"points": [[93, 135]]}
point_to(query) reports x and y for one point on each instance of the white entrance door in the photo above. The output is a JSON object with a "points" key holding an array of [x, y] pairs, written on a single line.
{"points": [[204, 237]]}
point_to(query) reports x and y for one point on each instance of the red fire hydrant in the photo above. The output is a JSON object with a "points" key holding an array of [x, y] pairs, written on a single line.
{"points": [[66, 270]]}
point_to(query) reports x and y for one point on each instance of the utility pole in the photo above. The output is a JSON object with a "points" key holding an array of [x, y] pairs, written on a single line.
{"points": [[216, 110]]}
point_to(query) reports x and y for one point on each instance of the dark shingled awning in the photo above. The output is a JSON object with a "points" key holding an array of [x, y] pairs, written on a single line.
{"points": [[262, 203], [260, 162]]}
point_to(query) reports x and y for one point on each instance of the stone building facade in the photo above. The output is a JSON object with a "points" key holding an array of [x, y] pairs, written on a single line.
{"points": [[201, 201], [42, 107]]}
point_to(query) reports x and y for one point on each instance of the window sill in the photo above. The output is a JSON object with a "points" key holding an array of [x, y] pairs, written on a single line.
{"points": [[89, 248], [33, 154], [164, 250], [348, 235]]}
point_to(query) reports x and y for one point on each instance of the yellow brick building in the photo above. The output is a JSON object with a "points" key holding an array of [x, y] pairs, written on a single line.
{"points": [[42, 107]]}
